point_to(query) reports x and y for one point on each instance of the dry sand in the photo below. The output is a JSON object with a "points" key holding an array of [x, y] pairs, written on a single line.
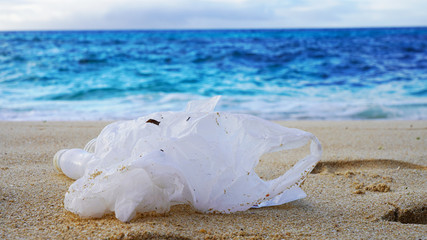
{"points": [[370, 183]]}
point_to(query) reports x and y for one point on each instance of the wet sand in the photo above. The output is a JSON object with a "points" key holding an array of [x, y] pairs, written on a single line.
{"points": [[370, 183]]}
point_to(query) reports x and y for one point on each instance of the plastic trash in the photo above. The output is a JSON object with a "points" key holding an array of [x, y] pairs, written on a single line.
{"points": [[197, 157]]}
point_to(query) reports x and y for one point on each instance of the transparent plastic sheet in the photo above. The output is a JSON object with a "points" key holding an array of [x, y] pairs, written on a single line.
{"points": [[197, 157]]}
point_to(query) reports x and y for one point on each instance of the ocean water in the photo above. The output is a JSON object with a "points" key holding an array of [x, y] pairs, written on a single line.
{"points": [[276, 74]]}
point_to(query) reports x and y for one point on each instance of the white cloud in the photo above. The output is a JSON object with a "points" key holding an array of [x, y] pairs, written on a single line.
{"points": [[182, 14]]}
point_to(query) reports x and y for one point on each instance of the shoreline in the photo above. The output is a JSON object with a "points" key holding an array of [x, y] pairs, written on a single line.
{"points": [[371, 178]]}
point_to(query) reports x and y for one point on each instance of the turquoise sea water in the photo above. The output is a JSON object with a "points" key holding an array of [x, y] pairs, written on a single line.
{"points": [[275, 74]]}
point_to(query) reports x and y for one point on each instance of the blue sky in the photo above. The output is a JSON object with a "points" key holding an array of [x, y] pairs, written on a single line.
{"points": [[208, 14]]}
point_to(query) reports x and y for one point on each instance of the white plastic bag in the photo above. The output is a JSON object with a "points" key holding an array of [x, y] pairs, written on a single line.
{"points": [[197, 157]]}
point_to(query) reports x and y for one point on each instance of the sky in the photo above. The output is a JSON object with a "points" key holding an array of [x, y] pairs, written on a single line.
{"points": [[208, 14]]}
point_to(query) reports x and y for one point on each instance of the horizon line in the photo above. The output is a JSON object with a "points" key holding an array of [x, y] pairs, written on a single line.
{"points": [[211, 29]]}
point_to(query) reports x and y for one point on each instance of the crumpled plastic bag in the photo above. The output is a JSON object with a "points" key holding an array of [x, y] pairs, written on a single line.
{"points": [[197, 157]]}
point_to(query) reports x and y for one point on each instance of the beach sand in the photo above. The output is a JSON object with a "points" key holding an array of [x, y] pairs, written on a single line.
{"points": [[370, 183]]}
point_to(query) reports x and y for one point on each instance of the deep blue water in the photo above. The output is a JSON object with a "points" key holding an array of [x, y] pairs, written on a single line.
{"points": [[275, 74]]}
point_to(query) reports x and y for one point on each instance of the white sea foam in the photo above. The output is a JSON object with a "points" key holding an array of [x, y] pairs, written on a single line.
{"points": [[269, 107]]}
